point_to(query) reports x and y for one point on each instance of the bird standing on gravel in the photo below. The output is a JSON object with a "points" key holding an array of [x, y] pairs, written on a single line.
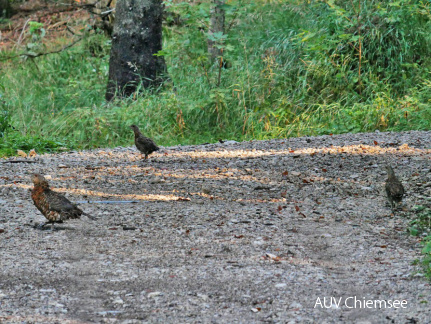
{"points": [[144, 144], [54, 206], [394, 188]]}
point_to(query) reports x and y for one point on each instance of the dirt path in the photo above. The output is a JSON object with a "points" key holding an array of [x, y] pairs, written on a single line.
{"points": [[234, 232]]}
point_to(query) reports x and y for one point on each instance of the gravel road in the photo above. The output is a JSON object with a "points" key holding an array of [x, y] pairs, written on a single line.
{"points": [[250, 232]]}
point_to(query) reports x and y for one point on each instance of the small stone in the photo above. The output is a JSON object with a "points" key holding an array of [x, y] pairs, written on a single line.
{"points": [[118, 300], [203, 297], [295, 305], [230, 142], [154, 294]]}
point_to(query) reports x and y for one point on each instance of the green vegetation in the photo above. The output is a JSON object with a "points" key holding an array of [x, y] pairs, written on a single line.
{"points": [[292, 68], [421, 226]]}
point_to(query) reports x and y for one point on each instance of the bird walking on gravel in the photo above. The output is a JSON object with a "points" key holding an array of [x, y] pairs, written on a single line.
{"points": [[394, 188], [144, 144], [53, 205]]}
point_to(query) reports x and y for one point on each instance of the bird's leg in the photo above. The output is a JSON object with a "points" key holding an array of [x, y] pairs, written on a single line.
{"points": [[393, 206], [41, 225]]}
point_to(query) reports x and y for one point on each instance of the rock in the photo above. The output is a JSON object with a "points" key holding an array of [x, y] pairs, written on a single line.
{"points": [[154, 294], [118, 300]]}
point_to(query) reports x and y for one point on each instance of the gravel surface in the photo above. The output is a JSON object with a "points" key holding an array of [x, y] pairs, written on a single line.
{"points": [[221, 233]]}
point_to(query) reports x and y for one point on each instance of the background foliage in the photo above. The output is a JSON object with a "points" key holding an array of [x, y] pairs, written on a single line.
{"points": [[290, 68]]}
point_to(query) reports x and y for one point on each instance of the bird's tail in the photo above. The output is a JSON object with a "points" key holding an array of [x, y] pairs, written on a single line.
{"points": [[89, 216]]}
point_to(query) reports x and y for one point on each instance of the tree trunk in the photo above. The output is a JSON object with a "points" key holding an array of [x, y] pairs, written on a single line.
{"points": [[5, 9], [136, 38], [216, 25]]}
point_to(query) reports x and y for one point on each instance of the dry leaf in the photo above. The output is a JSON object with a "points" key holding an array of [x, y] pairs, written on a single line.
{"points": [[376, 143], [183, 199], [273, 257], [21, 153], [297, 208], [32, 153]]}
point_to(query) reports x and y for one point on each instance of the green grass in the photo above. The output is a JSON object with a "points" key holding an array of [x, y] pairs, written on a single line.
{"points": [[421, 226], [294, 70]]}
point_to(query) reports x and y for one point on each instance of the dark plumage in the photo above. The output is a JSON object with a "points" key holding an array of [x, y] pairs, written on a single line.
{"points": [[394, 188], [144, 144], [54, 206]]}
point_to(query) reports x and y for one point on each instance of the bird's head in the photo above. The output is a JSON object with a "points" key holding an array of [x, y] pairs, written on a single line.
{"points": [[389, 170], [39, 180], [135, 128]]}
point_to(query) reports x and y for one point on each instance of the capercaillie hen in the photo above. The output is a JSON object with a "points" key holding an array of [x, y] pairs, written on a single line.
{"points": [[144, 144], [54, 206], [394, 188]]}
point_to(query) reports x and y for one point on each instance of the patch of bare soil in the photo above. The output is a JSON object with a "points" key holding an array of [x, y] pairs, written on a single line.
{"points": [[61, 22], [235, 232]]}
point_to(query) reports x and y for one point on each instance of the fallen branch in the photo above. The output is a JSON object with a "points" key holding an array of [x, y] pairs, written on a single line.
{"points": [[53, 52], [29, 55]]}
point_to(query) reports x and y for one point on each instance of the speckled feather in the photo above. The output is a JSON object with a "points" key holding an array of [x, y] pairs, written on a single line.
{"points": [[54, 206], [394, 188]]}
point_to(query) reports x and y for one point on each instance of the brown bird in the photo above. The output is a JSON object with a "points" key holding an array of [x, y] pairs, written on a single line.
{"points": [[144, 144], [54, 206], [394, 188]]}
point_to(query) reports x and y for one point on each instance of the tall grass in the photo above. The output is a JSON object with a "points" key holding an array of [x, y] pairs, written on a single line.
{"points": [[293, 68]]}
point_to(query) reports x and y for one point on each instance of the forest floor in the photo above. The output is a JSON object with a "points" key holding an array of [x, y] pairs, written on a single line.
{"points": [[225, 233], [56, 17]]}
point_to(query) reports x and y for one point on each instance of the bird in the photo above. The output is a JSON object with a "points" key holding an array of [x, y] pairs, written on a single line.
{"points": [[53, 205], [144, 144], [394, 188]]}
